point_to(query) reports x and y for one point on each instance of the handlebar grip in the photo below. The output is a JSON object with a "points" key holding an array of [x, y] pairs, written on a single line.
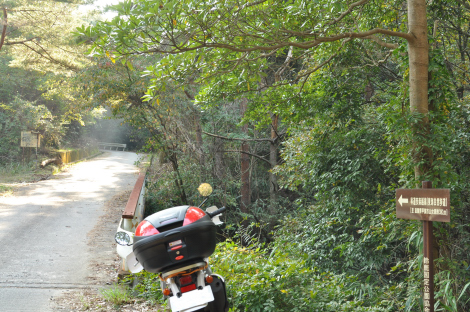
{"points": [[217, 212]]}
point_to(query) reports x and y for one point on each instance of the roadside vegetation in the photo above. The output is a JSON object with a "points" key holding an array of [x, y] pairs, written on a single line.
{"points": [[116, 295], [301, 114], [13, 174]]}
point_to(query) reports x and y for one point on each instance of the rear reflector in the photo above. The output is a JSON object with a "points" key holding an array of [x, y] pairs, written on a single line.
{"points": [[188, 288]]}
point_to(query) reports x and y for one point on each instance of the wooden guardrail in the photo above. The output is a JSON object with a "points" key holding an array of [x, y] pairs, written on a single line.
{"points": [[131, 217], [133, 208]]}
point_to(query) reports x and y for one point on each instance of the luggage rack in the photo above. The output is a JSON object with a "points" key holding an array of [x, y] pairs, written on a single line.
{"points": [[189, 269]]}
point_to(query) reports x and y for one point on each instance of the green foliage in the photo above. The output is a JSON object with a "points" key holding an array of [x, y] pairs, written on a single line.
{"points": [[21, 115], [351, 139], [162, 193], [16, 168], [232, 62], [450, 296], [5, 190], [374, 248], [351, 160], [39, 36], [274, 279], [116, 295], [36, 63], [148, 287]]}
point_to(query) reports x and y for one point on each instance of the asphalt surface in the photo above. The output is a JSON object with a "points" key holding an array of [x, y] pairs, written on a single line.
{"points": [[44, 227]]}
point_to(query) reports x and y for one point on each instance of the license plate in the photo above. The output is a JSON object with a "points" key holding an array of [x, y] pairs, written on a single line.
{"points": [[192, 299]]}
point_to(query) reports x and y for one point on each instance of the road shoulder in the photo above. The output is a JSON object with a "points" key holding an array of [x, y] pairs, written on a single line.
{"points": [[103, 268]]}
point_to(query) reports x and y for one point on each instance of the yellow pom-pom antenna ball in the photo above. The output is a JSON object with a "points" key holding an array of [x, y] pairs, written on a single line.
{"points": [[205, 189]]}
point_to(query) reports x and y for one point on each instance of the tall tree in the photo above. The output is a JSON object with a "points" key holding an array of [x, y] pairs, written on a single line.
{"points": [[38, 34], [38, 54], [233, 34]]}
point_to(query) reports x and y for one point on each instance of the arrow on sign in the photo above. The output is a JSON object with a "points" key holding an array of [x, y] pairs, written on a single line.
{"points": [[402, 200]]}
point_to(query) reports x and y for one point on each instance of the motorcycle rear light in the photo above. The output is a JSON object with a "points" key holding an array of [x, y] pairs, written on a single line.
{"points": [[188, 288], [209, 279], [193, 214], [166, 292], [184, 280], [145, 228]]}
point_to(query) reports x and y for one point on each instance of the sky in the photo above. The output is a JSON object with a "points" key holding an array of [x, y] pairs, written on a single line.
{"points": [[99, 5]]}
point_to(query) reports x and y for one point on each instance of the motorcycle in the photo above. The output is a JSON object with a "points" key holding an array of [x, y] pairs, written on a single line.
{"points": [[176, 243]]}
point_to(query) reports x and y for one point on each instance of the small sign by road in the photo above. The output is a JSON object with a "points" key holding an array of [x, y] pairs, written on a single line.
{"points": [[30, 139], [423, 204]]}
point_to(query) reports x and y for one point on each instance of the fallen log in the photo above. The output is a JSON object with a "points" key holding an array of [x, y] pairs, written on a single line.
{"points": [[57, 161]]}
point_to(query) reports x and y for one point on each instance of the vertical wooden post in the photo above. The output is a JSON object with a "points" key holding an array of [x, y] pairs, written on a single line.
{"points": [[428, 261], [37, 145]]}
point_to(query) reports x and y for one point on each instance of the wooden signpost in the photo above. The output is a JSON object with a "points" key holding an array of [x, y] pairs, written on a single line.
{"points": [[426, 204]]}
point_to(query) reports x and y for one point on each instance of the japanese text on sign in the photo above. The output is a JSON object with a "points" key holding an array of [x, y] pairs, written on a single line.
{"points": [[423, 204], [29, 139], [425, 201], [428, 211], [427, 292]]}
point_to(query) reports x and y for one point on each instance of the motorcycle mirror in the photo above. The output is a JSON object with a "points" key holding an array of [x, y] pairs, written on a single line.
{"points": [[205, 189], [215, 219], [122, 238]]}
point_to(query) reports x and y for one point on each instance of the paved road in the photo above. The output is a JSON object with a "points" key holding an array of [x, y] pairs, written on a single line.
{"points": [[44, 226]]}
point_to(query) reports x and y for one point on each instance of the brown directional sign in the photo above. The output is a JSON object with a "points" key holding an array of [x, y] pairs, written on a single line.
{"points": [[423, 204]]}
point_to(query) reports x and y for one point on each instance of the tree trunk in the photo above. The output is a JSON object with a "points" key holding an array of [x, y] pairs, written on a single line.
{"points": [[57, 161], [245, 164], [418, 52], [4, 28], [199, 146], [178, 180], [217, 153], [273, 187]]}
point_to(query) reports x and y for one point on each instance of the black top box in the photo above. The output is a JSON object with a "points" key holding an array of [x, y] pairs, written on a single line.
{"points": [[173, 238]]}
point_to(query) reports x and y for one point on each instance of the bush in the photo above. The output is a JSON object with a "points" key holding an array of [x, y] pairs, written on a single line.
{"points": [[262, 280], [116, 295], [148, 287]]}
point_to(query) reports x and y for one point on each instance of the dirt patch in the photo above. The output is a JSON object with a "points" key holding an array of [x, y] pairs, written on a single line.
{"points": [[103, 268]]}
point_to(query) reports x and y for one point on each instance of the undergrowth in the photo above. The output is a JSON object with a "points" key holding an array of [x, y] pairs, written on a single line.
{"points": [[117, 295], [268, 278]]}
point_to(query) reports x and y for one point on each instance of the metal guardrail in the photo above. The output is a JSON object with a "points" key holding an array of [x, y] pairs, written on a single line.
{"points": [[133, 214], [111, 145]]}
